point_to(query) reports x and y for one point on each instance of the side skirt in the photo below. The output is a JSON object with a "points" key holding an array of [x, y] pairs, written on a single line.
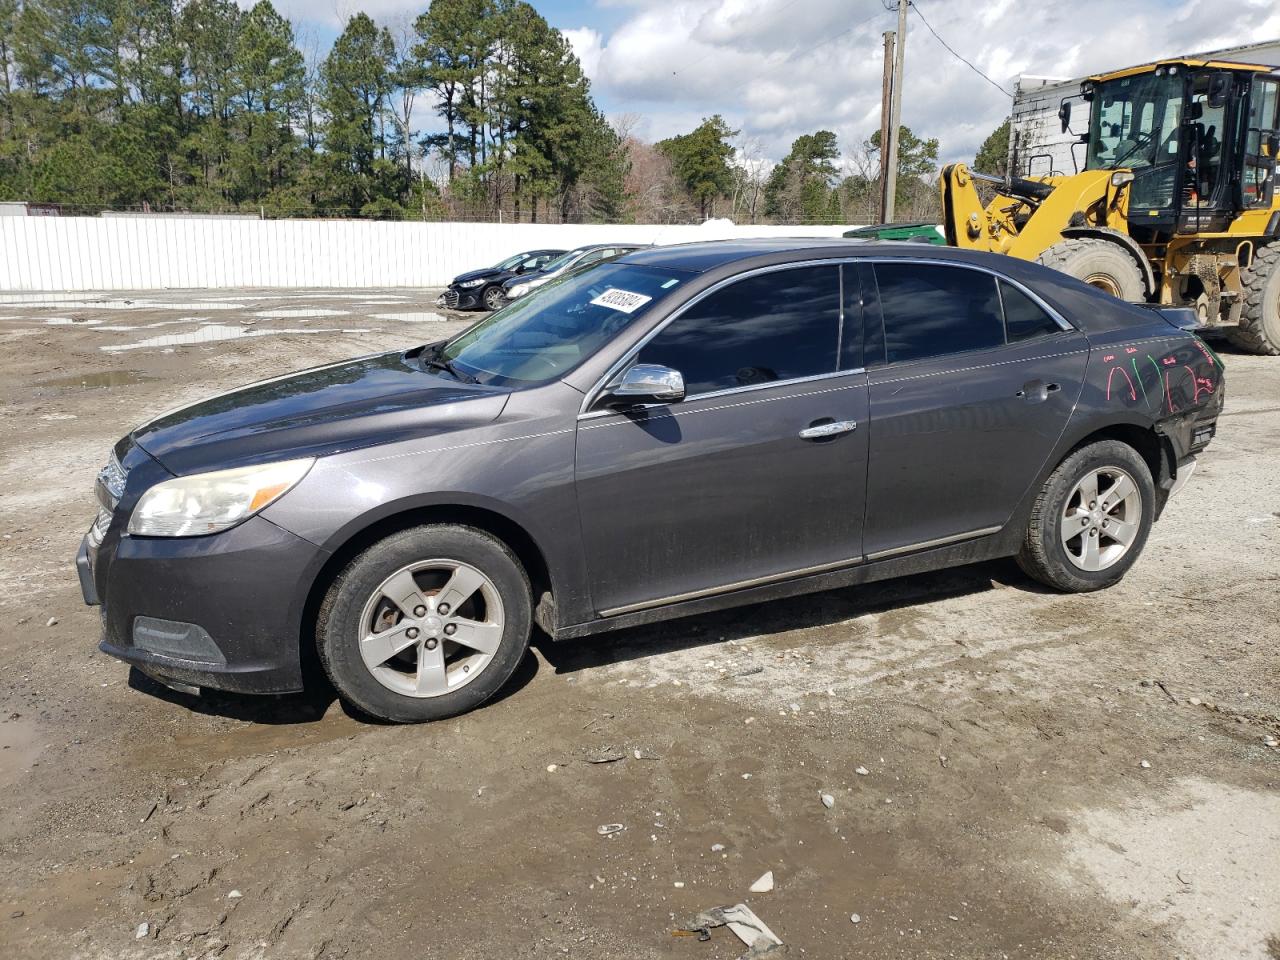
{"points": [[994, 546]]}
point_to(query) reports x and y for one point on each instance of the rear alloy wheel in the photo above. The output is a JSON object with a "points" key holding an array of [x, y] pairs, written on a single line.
{"points": [[1091, 519], [1099, 263], [1101, 519], [426, 624], [493, 298]]}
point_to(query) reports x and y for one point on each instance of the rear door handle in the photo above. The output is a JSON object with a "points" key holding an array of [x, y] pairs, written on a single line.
{"points": [[1036, 391], [820, 431]]}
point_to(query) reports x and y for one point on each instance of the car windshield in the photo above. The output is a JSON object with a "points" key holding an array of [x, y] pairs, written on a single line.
{"points": [[563, 259], [510, 262], [546, 334]]}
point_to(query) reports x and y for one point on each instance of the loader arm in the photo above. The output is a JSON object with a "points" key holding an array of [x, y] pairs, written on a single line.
{"points": [[1025, 218]]}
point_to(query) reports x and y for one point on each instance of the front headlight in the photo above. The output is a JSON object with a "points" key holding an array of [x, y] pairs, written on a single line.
{"points": [[210, 502], [519, 290], [472, 283]]}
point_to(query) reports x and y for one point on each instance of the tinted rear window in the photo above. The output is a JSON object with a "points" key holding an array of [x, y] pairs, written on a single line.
{"points": [[933, 310], [1023, 317]]}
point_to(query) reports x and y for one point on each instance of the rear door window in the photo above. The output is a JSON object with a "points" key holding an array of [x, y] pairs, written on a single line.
{"points": [[1024, 319], [932, 310], [773, 326]]}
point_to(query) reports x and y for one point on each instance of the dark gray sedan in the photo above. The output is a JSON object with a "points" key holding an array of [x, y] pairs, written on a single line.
{"points": [[684, 429]]}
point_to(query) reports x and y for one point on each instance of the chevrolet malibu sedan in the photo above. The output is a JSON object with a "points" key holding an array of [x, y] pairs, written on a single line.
{"points": [[684, 429]]}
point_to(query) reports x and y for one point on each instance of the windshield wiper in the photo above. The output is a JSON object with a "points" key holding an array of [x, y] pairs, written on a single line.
{"points": [[439, 361]]}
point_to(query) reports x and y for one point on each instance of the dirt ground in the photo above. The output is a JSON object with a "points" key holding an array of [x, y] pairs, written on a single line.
{"points": [[1014, 773]]}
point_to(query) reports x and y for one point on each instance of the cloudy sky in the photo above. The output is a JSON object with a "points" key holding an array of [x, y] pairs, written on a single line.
{"points": [[779, 68]]}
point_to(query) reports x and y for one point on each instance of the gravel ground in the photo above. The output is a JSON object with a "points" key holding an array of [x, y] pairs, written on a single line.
{"points": [[1014, 773]]}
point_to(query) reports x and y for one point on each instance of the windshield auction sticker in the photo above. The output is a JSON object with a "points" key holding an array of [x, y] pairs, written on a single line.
{"points": [[623, 300]]}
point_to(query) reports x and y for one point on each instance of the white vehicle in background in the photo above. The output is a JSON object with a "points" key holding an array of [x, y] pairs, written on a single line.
{"points": [[517, 287]]}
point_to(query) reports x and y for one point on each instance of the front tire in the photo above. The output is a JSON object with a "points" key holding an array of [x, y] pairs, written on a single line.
{"points": [[493, 298], [425, 624], [1099, 263], [1091, 519]]}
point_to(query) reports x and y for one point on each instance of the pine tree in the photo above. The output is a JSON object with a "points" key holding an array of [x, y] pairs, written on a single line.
{"points": [[267, 76], [801, 186], [701, 160], [355, 82], [993, 155]]}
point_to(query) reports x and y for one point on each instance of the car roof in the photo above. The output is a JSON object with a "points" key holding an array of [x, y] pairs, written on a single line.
{"points": [[703, 255], [630, 245], [1087, 306]]}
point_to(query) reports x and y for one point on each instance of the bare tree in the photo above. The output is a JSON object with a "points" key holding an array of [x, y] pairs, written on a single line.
{"points": [[407, 78], [309, 44], [751, 171]]}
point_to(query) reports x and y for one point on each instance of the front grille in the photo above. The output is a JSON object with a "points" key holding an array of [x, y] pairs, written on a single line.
{"points": [[449, 300]]}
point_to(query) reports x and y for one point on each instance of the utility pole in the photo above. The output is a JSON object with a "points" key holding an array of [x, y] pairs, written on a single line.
{"points": [[886, 108], [895, 112]]}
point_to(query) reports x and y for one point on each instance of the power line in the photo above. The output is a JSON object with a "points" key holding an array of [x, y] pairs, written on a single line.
{"points": [[914, 6]]}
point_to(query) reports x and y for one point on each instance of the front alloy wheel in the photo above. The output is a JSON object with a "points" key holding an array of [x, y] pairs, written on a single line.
{"points": [[425, 624], [493, 298], [431, 627]]}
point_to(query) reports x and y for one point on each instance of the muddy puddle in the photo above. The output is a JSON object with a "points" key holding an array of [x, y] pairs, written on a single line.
{"points": [[102, 380], [20, 747], [416, 316], [213, 333]]}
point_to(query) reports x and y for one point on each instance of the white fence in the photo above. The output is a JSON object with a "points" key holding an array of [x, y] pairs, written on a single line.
{"points": [[88, 253]]}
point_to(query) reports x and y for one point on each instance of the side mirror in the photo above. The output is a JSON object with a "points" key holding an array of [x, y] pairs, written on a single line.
{"points": [[1064, 114], [1219, 88], [646, 383]]}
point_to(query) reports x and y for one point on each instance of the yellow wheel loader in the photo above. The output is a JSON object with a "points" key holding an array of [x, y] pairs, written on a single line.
{"points": [[1176, 203]]}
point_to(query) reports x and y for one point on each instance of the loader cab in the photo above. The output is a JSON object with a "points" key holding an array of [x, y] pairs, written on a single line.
{"points": [[1197, 137]]}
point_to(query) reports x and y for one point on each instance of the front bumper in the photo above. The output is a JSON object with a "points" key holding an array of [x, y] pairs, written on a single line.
{"points": [[455, 299], [222, 611]]}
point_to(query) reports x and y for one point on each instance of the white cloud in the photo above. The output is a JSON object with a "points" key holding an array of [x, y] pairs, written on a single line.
{"points": [[587, 45], [778, 69]]}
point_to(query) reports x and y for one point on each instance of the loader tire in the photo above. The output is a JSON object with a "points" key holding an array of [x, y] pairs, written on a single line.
{"points": [[1099, 263], [1259, 329]]}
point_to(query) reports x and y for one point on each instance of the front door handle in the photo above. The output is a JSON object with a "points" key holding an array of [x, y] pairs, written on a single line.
{"points": [[820, 431]]}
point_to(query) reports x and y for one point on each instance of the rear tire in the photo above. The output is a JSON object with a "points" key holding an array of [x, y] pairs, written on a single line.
{"points": [[1099, 263], [425, 624], [1259, 327], [1077, 543]]}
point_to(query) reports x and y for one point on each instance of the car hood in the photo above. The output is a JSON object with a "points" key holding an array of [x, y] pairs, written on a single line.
{"points": [[485, 274], [324, 410]]}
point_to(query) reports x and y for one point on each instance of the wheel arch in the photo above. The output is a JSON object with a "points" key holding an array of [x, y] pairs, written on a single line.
{"points": [[360, 535], [1122, 240], [1154, 447]]}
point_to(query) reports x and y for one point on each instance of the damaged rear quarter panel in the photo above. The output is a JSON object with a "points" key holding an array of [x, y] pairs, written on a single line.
{"points": [[1158, 377]]}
